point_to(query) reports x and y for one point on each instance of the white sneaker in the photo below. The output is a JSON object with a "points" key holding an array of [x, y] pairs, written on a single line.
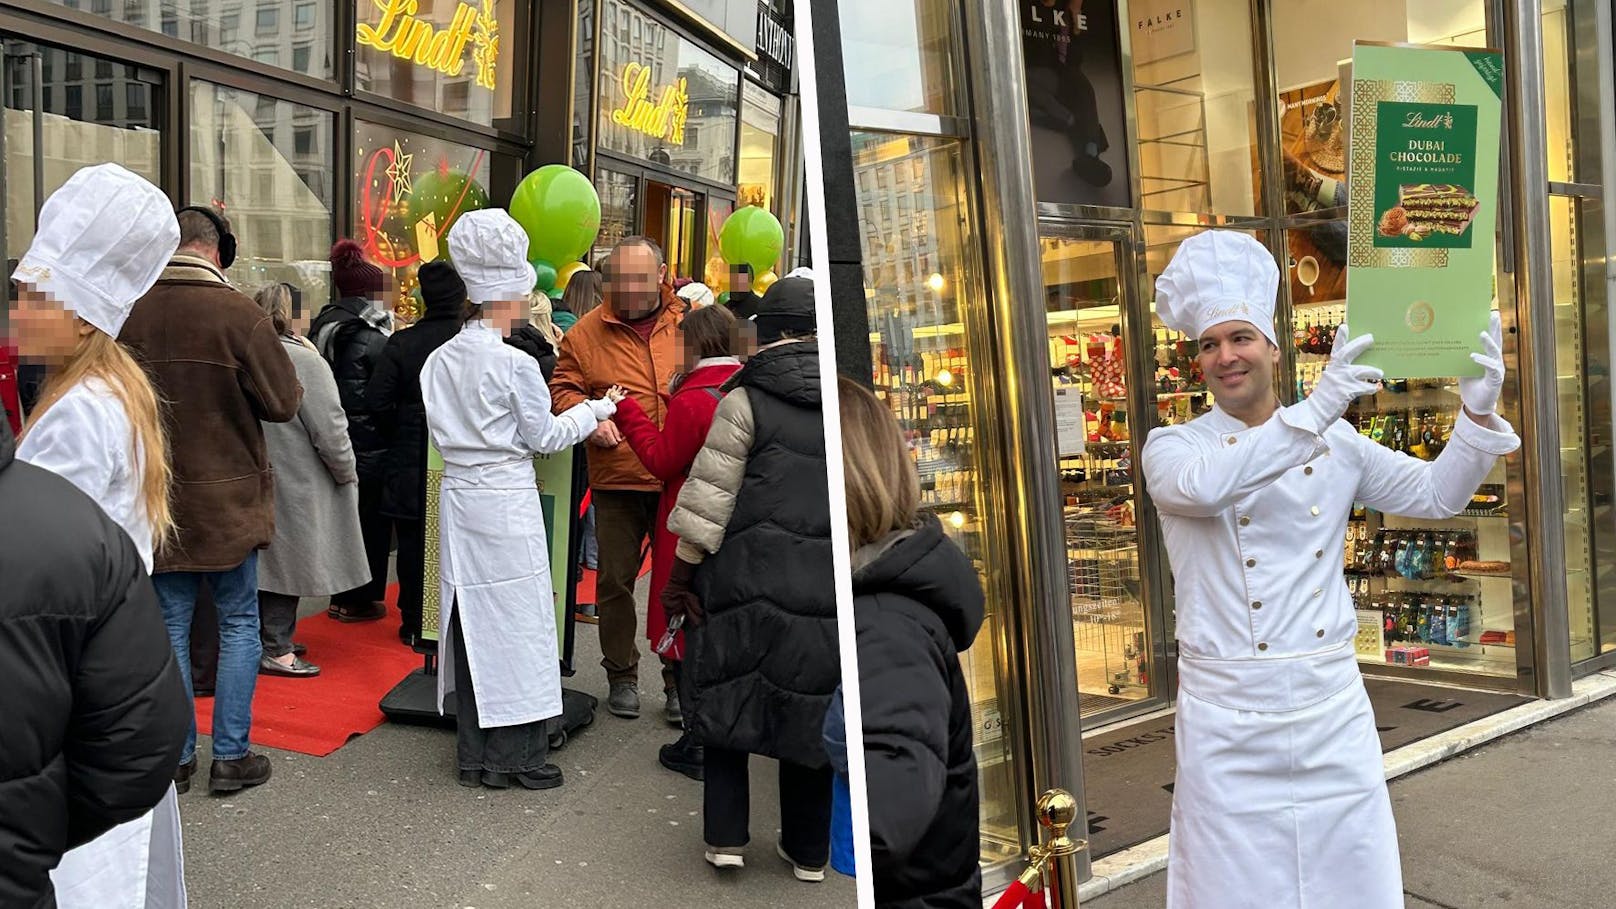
{"points": [[806, 875], [725, 857]]}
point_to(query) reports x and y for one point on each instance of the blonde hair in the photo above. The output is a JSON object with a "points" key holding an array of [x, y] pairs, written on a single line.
{"points": [[882, 485], [541, 313], [99, 356], [276, 299]]}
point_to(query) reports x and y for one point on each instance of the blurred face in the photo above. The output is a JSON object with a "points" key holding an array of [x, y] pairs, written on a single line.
{"points": [[634, 282], [740, 281], [45, 330], [505, 316], [1238, 362]]}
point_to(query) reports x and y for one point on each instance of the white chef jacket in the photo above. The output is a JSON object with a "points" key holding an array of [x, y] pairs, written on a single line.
{"points": [[86, 438], [1255, 520], [488, 411], [1279, 798]]}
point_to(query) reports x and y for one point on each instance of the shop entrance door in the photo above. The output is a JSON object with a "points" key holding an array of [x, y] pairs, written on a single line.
{"points": [[65, 110], [673, 218], [1099, 341]]}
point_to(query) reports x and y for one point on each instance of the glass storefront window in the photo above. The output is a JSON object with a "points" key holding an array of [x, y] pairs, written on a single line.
{"points": [[267, 165], [125, 132], [760, 138], [1194, 90], [408, 191], [452, 56], [1088, 341], [619, 211], [920, 272], [900, 56], [1571, 369], [663, 99], [302, 42]]}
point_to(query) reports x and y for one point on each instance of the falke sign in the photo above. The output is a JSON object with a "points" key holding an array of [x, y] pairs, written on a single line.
{"points": [[440, 48], [1039, 14], [662, 119]]}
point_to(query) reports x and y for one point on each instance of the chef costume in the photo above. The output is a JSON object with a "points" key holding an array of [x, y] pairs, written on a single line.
{"points": [[103, 240], [1279, 798], [488, 412]]}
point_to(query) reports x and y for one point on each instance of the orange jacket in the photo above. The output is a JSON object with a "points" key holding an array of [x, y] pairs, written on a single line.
{"points": [[599, 352]]}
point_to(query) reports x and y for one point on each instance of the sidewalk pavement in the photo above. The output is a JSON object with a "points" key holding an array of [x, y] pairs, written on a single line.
{"points": [[382, 824], [1522, 823]]}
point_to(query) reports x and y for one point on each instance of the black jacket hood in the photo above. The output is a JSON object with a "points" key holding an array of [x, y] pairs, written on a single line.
{"points": [[790, 372], [8, 444], [927, 567]]}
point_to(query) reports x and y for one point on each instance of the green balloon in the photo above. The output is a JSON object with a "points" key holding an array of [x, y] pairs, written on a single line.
{"points": [[555, 293], [752, 236], [445, 195], [544, 274], [560, 210], [723, 298]]}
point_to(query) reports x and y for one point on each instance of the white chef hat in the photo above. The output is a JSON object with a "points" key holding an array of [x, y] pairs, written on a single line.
{"points": [[489, 249], [1218, 276], [104, 238], [696, 294]]}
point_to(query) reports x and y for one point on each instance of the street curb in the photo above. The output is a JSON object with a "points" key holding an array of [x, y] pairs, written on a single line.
{"points": [[1122, 868]]}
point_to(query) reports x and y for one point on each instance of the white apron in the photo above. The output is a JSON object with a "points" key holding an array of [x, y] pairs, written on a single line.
{"points": [[1280, 800], [494, 569], [138, 865]]}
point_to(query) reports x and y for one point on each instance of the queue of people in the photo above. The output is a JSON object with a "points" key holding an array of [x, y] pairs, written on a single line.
{"points": [[254, 453]]}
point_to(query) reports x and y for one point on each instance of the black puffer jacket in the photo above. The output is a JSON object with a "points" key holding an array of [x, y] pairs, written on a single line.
{"points": [[531, 341], [915, 608], [764, 662], [93, 709], [349, 337], [394, 395]]}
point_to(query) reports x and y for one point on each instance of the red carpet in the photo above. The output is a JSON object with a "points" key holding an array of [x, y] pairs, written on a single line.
{"points": [[359, 663], [586, 583]]}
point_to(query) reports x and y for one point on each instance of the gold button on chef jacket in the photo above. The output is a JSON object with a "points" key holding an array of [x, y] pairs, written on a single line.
{"points": [[1242, 522]]}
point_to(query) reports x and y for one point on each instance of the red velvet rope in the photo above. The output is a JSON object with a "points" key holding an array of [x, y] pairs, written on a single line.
{"points": [[1016, 895]]}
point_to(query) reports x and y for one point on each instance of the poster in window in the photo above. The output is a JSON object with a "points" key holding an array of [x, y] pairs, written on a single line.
{"points": [[1312, 138], [1075, 101]]}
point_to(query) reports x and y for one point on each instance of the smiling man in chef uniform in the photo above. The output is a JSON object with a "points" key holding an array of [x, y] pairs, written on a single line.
{"points": [[1279, 799]]}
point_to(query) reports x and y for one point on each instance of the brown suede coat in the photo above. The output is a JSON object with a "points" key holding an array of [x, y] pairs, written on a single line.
{"points": [[599, 352], [219, 367]]}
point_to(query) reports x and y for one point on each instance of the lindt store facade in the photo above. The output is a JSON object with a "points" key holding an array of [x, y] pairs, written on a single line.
{"points": [[309, 120], [1010, 223]]}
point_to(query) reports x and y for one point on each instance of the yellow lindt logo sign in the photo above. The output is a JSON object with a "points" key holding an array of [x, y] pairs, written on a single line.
{"points": [[663, 120], [404, 36]]}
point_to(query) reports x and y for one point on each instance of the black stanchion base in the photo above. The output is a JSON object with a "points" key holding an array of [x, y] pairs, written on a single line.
{"points": [[414, 700]]}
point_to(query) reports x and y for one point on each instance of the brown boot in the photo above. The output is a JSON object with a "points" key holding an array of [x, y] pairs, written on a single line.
{"points": [[233, 776]]}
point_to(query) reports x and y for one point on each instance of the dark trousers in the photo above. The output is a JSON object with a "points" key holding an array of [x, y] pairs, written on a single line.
{"points": [[377, 530], [624, 519], [804, 806], [204, 640], [411, 565], [277, 619], [504, 749]]}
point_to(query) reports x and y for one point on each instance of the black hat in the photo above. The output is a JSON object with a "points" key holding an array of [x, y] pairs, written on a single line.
{"points": [[441, 287], [788, 308]]}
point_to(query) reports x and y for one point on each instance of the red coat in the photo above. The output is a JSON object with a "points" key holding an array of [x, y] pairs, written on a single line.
{"points": [[668, 453], [8, 387]]}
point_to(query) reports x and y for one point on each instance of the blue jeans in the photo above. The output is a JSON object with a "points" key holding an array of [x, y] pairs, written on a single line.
{"points": [[591, 549], [235, 593]]}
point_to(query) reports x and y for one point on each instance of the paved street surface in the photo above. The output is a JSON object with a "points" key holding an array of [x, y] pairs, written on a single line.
{"points": [[1526, 822], [382, 824]]}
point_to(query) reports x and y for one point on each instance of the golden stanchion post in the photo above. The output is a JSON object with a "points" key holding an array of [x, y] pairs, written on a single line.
{"points": [[1057, 811]]}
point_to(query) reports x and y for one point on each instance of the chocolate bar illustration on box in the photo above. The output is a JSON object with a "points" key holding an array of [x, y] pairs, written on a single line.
{"points": [[1429, 208]]}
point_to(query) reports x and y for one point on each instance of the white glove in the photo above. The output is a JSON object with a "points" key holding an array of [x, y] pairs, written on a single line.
{"points": [[1480, 394], [602, 408], [1342, 381]]}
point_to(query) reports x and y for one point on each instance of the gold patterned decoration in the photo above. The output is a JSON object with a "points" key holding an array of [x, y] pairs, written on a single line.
{"points": [[1366, 97], [431, 607]]}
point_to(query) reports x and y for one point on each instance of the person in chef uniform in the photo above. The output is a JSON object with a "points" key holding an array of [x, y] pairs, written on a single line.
{"points": [[103, 240], [488, 412], [1280, 798]]}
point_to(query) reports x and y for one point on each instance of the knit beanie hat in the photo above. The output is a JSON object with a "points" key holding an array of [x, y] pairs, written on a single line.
{"points": [[441, 287], [354, 276]]}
